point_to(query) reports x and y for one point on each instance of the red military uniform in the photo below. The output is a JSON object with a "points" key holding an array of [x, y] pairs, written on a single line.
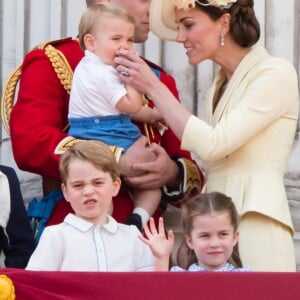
{"points": [[39, 119]]}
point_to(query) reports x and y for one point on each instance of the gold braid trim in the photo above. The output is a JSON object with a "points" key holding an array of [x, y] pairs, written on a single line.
{"points": [[65, 144], [148, 130], [192, 184], [8, 96], [117, 152], [61, 66], [192, 175]]}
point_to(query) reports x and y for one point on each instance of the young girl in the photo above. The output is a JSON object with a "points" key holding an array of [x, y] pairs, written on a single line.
{"points": [[210, 224]]}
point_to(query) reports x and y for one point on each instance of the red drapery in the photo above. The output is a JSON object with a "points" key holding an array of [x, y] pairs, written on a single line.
{"points": [[31, 285]]}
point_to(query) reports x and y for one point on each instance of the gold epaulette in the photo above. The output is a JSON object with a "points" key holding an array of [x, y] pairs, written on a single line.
{"points": [[69, 141], [61, 67]]}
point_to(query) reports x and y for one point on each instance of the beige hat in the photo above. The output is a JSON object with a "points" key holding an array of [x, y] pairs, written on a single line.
{"points": [[162, 14], [162, 19]]}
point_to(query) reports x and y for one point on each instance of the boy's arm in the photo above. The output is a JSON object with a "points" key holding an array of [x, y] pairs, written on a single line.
{"points": [[131, 103], [148, 115]]}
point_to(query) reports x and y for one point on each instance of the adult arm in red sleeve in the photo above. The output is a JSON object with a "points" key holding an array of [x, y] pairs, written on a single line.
{"points": [[39, 115], [39, 118]]}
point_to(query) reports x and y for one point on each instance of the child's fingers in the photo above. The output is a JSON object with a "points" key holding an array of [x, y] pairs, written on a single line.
{"points": [[171, 236], [161, 226], [152, 226], [143, 239], [147, 231]]}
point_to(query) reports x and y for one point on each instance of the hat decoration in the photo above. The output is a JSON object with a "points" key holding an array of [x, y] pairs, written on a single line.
{"points": [[185, 4]]}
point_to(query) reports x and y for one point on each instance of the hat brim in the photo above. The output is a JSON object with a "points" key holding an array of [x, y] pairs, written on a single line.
{"points": [[162, 19]]}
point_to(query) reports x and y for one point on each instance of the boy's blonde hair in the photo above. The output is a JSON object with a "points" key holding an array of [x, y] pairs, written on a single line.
{"points": [[93, 13], [94, 152]]}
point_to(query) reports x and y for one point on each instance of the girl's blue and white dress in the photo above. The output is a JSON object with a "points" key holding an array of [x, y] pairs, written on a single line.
{"points": [[196, 268]]}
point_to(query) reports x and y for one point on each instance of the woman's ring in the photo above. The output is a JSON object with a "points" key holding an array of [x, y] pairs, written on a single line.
{"points": [[125, 72]]}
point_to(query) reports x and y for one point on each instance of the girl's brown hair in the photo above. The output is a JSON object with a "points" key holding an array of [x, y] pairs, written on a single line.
{"points": [[203, 204]]}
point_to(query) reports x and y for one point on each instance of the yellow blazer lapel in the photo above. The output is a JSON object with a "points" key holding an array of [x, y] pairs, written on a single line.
{"points": [[236, 86]]}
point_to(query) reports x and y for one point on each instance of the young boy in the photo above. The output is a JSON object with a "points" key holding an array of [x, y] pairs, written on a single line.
{"points": [[90, 239], [101, 106]]}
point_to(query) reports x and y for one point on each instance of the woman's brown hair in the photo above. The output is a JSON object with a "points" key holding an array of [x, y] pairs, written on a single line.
{"points": [[244, 26]]}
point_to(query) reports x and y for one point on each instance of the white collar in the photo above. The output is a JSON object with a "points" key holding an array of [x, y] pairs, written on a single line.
{"points": [[90, 56], [84, 226]]}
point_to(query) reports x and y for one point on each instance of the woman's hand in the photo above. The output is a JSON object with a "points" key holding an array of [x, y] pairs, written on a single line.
{"points": [[162, 170], [134, 70], [139, 151]]}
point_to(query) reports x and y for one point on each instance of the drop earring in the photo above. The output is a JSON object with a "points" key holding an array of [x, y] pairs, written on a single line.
{"points": [[222, 40]]}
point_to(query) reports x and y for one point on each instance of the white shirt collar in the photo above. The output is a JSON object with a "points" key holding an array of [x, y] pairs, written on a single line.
{"points": [[84, 226], [93, 57]]}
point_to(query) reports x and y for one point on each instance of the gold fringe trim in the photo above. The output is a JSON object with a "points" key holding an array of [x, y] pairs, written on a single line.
{"points": [[61, 67], [8, 96]]}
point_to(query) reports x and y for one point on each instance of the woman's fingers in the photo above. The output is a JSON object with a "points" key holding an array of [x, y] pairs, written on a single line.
{"points": [[127, 59]]}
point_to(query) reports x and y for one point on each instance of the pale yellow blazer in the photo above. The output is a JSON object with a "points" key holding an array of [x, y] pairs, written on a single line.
{"points": [[244, 145]]}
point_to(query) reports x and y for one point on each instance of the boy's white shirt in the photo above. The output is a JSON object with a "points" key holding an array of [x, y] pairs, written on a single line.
{"points": [[78, 245], [96, 89]]}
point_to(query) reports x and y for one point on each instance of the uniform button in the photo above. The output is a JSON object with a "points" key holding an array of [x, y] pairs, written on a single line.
{"points": [[97, 121]]}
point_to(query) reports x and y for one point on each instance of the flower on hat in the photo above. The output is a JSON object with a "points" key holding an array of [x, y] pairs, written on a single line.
{"points": [[185, 4]]}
